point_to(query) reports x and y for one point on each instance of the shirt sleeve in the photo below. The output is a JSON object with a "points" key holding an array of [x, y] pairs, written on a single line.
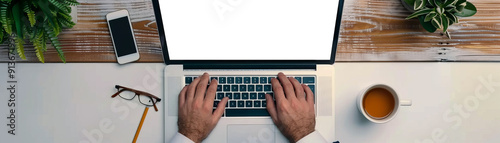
{"points": [[313, 137], [179, 138]]}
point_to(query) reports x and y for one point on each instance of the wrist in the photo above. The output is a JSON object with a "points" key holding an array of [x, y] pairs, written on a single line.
{"points": [[193, 137], [299, 135]]}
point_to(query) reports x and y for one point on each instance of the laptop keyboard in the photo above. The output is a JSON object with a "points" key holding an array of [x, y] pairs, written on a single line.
{"points": [[247, 93]]}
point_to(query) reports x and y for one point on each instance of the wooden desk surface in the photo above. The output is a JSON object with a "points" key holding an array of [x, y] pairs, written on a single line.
{"points": [[372, 30]]}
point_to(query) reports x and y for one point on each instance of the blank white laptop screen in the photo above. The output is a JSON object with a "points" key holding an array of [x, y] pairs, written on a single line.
{"points": [[249, 29]]}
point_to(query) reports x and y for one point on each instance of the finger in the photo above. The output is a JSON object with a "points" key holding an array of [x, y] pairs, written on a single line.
{"points": [[299, 91], [220, 110], [192, 89], [271, 108], [287, 86], [309, 94], [278, 90], [210, 96], [201, 88], [182, 96]]}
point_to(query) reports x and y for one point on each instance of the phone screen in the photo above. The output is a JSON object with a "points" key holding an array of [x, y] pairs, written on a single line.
{"points": [[122, 36]]}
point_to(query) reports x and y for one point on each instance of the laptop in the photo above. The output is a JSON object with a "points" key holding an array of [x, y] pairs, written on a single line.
{"points": [[243, 44]]}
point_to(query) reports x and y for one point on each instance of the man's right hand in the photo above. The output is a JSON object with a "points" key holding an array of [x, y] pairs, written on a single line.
{"points": [[293, 112]]}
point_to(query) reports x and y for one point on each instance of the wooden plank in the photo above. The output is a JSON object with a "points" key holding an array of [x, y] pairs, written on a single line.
{"points": [[372, 30]]}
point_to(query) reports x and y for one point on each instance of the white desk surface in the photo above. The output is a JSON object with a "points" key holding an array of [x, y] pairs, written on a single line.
{"points": [[69, 102]]}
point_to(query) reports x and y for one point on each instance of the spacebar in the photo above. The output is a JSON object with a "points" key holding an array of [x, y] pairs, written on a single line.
{"points": [[246, 112]]}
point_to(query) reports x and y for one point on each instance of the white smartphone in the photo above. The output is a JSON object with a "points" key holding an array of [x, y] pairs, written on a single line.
{"points": [[122, 36]]}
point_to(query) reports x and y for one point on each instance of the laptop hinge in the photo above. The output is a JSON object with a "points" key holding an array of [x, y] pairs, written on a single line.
{"points": [[310, 66]]}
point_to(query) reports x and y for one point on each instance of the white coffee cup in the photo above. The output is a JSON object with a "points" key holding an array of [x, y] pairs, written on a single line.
{"points": [[396, 105]]}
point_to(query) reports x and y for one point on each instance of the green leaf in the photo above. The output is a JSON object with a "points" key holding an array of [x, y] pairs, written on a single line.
{"points": [[16, 13], [449, 2], [427, 25], [429, 16], [419, 4], [1, 35], [20, 47], [44, 5], [418, 13], [438, 3], [54, 41], [445, 22], [30, 13], [468, 10], [4, 17], [436, 22], [62, 7], [452, 17], [38, 45], [432, 3]]}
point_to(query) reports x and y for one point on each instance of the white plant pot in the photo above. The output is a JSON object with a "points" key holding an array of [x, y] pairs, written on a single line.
{"points": [[74, 14]]}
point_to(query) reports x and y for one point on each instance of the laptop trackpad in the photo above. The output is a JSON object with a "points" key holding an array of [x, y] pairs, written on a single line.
{"points": [[250, 133]]}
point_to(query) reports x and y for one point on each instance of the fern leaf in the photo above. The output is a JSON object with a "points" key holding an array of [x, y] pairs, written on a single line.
{"points": [[55, 41], [65, 20], [1, 34], [4, 18], [71, 2], [37, 43], [20, 47], [60, 6], [30, 13]]}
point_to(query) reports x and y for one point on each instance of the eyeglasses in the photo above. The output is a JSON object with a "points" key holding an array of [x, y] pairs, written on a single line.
{"points": [[129, 94]]}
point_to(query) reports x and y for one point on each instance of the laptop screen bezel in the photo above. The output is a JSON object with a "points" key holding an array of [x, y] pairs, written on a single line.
{"points": [[166, 57]]}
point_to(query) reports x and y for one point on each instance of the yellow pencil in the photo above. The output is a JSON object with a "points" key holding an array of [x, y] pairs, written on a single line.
{"points": [[140, 124]]}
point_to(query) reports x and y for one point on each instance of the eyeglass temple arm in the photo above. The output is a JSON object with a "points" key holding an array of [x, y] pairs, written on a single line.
{"points": [[114, 95], [154, 104]]}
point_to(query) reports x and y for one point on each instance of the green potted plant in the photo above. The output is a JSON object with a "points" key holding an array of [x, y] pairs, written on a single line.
{"points": [[439, 14], [38, 21]]}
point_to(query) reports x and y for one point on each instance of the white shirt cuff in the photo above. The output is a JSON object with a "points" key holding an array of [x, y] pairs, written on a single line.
{"points": [[179, 138], [314, 137]]}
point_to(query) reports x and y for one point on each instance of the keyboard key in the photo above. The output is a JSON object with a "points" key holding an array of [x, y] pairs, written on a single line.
{"points": [[246, 112], [234, 87], [230, 95], [248, 103], [230, 80], [261, 96], [236, 96], [267, 88], [298, 79], [189, 80], [226, 87], [251, 88], [232, 103], [264, 103], [211, 78], [241, 103], [312, 88], [258, 88], [269, 79], [219, 87], [239, 80], [220, 95], [263, 79], [243, 87], [216, 103], [244, 95], [253, 95], [255, 80], [308, 79], [256, 103], [246, 80], [222, 80]]}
